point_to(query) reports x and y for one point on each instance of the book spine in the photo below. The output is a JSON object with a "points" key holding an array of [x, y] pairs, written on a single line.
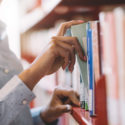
{"points": [[119, 14], [110, 66], [82, 93], [90, 69]]}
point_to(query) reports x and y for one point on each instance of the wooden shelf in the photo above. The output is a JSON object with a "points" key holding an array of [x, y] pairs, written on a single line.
{"points": [[83, 117], [86, 8], [91, 2]]}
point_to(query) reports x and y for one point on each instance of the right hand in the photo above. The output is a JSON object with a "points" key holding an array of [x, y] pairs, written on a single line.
{"points": [[60, 53], [61, 102]]}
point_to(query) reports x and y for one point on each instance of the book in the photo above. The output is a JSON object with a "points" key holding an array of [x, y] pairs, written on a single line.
{"points": [[82, 93], [110, 68], [79, 31], [93, 62], [95, 49], [90, 69], [119, 14]]}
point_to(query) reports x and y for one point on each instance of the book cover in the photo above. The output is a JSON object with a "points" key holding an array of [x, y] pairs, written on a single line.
{"points": [[79, 31]]}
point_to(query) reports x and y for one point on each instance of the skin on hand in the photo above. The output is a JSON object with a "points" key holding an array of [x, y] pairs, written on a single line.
{"points": [[61, 102], [60, 53]]}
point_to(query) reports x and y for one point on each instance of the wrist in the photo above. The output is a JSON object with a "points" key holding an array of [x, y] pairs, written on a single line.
{"points": [[47, 119], [29, 77]]}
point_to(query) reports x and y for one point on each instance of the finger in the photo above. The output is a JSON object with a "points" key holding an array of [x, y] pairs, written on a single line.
{"points": [[74, 42], [74, 99], [77, 94], [71, 94], [64, 54], [71, 50], [67, 25], [64, 108]]}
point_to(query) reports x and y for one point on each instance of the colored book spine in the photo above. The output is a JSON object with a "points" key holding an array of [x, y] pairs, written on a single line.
{"points": [[110, 66], [82, 94], [90, 69], [120, 42]]}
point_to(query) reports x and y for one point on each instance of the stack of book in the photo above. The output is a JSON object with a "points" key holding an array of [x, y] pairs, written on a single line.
{"points": [[87, 35], [103, 43], [112, 25]]}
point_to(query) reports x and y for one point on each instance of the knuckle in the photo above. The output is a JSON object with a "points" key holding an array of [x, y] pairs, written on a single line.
{"points": [[54, 42], [75, 39], [63, 25], [67, 54], [56, 90], [71, 50], [71, 91]]}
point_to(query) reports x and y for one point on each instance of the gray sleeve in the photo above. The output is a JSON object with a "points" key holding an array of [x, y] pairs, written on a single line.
{"points": [[13, 98], [37, 119]]}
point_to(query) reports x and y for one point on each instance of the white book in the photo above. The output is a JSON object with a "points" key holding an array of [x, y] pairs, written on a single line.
{"points": [[119, 14]]}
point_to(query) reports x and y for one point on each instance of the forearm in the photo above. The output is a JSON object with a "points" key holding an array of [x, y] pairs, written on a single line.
{"points": [[29, 77], [38, 69]]}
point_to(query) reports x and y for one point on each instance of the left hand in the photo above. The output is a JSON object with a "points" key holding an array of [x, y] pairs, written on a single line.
{"points": [[60, 53], [61, 102]]}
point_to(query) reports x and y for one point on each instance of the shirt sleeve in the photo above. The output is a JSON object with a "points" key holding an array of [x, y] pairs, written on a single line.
{"points": [[37, 120], [13, 98]]}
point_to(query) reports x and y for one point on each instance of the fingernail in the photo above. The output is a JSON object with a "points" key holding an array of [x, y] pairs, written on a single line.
{"points": [[71, 69], [82, 57], [81, 21], [63, 66], [79, 104], [85, 58]]}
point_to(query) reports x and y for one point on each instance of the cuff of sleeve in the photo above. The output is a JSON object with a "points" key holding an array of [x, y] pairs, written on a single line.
{"points": [[14, 95], [16, 88]]}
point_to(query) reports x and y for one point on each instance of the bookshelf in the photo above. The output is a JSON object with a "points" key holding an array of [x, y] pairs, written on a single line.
{"points": [[91, 9], [83, 117]]}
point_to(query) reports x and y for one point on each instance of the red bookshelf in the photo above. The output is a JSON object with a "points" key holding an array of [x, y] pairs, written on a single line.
{"points": [[83, 117], [88, 9]]}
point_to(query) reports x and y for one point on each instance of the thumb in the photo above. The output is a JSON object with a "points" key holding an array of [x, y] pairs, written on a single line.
{"points": [[64, 108]]}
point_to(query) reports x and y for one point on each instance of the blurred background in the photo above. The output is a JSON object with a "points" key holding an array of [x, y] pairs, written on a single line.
{"points": [[30, 26]]}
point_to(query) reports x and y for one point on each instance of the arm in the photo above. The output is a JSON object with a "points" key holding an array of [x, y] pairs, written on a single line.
{"points": [[13, 98], [17, 92], [60, 53]]}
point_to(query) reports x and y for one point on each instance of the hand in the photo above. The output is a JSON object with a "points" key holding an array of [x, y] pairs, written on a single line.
{"points": [[60, 53], [61, 102]]}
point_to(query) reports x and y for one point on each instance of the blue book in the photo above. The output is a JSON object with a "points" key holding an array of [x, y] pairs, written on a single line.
{"points": [[90, 70]]}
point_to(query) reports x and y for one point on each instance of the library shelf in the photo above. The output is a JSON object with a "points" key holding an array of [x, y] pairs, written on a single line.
{"points": [[83, 117], [28, 20], [67, 9]]}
